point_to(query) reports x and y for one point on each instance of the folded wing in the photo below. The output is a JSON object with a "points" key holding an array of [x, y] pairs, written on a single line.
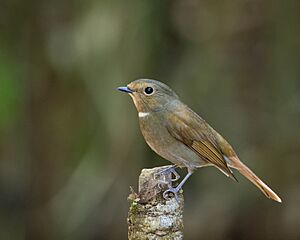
{"points": [[189, 128]]}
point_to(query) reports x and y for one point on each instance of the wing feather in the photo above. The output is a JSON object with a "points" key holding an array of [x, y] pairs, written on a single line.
{"points": [[189, 128]]}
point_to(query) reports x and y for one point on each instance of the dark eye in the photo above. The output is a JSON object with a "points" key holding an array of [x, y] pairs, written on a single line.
{"points": [[148, 90]]}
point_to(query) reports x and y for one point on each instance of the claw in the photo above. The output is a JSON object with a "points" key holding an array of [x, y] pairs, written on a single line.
{"points": [[177, 176], [171, 190], [161, 183], [175, 190]]}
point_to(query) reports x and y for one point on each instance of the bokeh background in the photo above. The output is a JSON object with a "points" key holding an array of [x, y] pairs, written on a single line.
{"points": [[70, 144]]}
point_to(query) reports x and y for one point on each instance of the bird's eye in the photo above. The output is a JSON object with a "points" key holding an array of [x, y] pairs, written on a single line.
{"points": [[148, 90]]}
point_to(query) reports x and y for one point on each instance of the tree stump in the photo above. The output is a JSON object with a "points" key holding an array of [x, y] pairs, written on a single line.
{"points": [[151, 216]]}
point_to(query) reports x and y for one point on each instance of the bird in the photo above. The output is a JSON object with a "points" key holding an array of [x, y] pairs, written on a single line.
{"points": [[178, 134]]}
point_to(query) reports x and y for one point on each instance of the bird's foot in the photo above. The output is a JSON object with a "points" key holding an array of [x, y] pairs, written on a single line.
{"points": [[176, 190], [171, 190], [168, 170], [161, 184]]}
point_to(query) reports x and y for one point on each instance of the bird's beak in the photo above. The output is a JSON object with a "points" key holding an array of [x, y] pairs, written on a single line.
{"points": [[125, 89]]}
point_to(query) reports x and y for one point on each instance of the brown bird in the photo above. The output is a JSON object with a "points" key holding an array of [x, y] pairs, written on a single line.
{"points": [[180, 135]]}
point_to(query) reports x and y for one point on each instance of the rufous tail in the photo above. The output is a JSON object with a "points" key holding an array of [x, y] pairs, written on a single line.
{"points": [[243, 169]]}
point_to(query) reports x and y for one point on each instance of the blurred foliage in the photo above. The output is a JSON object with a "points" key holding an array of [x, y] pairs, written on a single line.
{"points": [[70, 144]]}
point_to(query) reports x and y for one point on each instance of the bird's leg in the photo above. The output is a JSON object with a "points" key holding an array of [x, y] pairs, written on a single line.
{"points": [[175, 190], [168, 170]]}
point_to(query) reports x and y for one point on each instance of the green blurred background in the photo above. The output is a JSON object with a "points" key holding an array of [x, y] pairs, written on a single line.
{"points": [[70, 144]]}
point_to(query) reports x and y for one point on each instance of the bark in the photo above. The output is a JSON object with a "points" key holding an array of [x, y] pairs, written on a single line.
{"points": [[150, 215]]}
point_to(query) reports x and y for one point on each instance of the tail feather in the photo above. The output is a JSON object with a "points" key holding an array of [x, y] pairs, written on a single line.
{"points": [[243, 169]]}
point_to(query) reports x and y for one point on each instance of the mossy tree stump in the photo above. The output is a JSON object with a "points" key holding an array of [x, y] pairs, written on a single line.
{"points": [[150, 215]]}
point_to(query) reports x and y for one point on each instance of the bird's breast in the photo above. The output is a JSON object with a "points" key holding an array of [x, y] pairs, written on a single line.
{"points": [[154, 132], [164, 144]]}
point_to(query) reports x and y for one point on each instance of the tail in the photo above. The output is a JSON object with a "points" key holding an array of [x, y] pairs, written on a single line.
{"points": [[234, 162]]}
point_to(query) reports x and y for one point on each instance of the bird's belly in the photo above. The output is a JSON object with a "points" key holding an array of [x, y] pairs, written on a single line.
{"points": [[165, 145]]}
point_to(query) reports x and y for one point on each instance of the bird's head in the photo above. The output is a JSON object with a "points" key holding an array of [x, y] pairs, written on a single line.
{"points": [[149, 95]]}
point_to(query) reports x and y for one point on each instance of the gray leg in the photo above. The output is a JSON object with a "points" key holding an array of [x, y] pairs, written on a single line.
{"points": [[175, 190]]}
